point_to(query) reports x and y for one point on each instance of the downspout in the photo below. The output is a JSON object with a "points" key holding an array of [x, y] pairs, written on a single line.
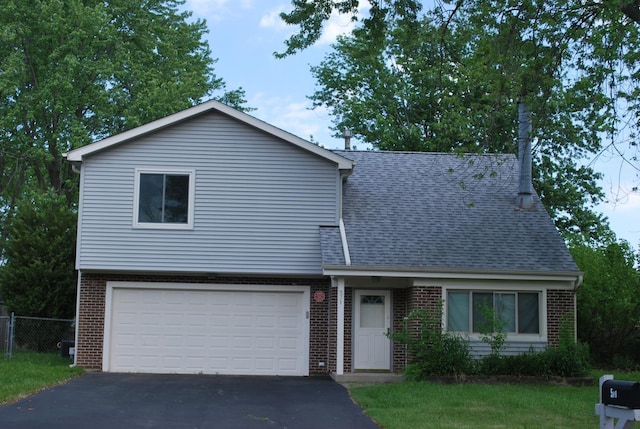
{"points": [[75, 341], [76, 167], [345, 245]]}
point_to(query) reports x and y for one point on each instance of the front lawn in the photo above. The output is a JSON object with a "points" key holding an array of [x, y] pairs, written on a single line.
{"points": [[26, 373], [479, 406]]}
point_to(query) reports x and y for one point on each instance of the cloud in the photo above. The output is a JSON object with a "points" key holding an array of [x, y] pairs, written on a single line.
{"points": [[295, 117], [272, 20], [335, 26], [338, 25]]}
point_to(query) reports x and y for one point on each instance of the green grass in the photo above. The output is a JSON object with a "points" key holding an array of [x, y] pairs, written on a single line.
{"points": [[27, 373], [479, 406]]}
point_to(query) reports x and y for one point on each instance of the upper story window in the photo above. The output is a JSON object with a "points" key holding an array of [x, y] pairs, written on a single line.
{"points": [[164, 199], [467, 311]]}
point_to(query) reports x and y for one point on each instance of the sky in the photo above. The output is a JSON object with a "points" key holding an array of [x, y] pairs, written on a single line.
{"points": [[244, 34]]}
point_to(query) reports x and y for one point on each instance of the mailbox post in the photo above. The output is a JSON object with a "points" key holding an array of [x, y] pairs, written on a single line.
{"points": [[618, 400]]}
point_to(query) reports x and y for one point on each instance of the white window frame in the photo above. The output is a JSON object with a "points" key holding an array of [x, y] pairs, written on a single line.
{"points": [[160, 225], [511, 336]]}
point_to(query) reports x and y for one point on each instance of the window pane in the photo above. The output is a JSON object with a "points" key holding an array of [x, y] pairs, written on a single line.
{"points": [[458, 311], [528, 313], [372, 311], [176, 200], [481, 301], [506, 310], [150, 204]]}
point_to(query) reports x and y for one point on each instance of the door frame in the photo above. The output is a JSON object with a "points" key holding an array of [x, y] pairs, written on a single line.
{"points": [[357, 294]]}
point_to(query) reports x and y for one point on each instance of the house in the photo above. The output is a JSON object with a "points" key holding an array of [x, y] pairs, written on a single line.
{"points": [[212, 242]]}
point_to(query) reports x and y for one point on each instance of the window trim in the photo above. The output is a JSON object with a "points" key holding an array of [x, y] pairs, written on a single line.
{"points": [[160, 225], [511, 336]]}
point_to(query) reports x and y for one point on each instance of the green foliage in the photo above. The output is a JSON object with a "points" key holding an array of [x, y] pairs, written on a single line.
{"points": [[76, 71], [608, 301], [27, 373], [432, 351], [38, 278], [478, 406], [492, 328], [437, 353], [448, 79]]}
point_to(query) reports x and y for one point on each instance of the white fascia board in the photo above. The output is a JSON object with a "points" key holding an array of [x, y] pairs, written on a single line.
{"points": [[80, 153], [571, 277]]}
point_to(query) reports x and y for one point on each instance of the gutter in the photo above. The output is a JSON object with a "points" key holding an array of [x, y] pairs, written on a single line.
{"points": [[449, 273]]}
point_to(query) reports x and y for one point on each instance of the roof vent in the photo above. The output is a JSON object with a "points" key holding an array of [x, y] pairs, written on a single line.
{"points": [[347, 138], [525, 189]]}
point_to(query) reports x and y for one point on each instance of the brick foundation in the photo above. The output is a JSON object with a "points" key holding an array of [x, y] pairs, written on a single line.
{"points": [[92, 309]]}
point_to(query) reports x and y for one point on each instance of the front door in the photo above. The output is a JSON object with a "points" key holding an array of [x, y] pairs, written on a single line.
{"points": [[372, 320]]}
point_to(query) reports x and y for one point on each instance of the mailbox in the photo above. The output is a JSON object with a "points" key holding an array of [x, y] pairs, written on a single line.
{"points": [[621, 393]]}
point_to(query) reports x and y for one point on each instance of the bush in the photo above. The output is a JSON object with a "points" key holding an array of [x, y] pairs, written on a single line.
{"points": [[432, 351], [437, 353]]}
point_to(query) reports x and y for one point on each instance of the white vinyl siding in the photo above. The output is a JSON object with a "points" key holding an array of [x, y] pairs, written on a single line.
{"points": [[257, 207]]}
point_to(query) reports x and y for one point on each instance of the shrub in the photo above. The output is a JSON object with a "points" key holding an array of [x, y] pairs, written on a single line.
{"points": [[437, 353], [432, 351]]}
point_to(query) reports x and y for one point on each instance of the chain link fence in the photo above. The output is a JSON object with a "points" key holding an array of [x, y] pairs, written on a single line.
{"points": [[37, 334]]}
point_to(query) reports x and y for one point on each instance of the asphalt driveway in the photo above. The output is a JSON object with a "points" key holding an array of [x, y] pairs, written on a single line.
{"points": [[98, 400]]}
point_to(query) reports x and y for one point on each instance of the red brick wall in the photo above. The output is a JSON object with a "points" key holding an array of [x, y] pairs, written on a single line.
{"points": [[91, 322], [92, 307], [427, 298], [561, 308], [319, 331], [400, 306], [333, 328], [348, 328]]}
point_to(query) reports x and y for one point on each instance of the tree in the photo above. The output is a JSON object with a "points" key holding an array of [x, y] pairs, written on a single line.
{"points": [[39, 278], [608, 301], [73, 72], [450, 78]]}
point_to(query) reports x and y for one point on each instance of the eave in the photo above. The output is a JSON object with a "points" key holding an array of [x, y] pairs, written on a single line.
{"points": [[573, 277]]}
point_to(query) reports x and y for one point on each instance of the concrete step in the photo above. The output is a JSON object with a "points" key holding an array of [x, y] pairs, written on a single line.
{"points": [[367, 377]]}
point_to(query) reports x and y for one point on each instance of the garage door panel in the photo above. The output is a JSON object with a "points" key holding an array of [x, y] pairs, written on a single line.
{"points": [[217, 332]]}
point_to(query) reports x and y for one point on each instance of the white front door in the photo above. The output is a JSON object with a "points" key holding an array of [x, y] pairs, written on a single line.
{"points": [[372, 320]]}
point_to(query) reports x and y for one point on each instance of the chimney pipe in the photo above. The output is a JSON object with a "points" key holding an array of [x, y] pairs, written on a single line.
{"points": [[347, 138], [525, 190]]}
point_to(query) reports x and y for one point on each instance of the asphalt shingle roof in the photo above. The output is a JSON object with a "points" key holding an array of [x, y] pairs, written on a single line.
{"points": [[431, 211], [331, 244]]}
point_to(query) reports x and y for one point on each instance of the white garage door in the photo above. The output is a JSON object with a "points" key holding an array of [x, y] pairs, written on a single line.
{"points": [[176, 329]]}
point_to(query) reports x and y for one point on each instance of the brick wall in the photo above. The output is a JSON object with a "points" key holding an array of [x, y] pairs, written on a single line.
{"points": [[92, 307], [348, 328], [400, 306], [333, 328], [319, 331], [560, 313], [427, 298]]}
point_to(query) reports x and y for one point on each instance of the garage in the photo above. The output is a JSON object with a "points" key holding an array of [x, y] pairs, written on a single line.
{"points": [[208, 329]]}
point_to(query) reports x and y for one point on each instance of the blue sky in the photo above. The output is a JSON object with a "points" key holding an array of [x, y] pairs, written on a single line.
{"points": [[243, 34]]}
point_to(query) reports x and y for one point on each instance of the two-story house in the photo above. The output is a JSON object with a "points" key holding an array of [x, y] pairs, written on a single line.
{"points": [[212, 242]]}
